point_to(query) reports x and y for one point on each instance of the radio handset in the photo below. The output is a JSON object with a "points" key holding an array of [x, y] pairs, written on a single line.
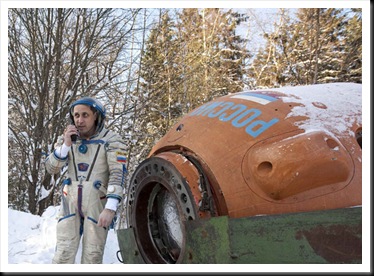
{"points": [[73, 136]]}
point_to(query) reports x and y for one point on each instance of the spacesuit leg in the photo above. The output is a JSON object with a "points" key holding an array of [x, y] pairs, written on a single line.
{"points": [[68, 238], [93, 244]]}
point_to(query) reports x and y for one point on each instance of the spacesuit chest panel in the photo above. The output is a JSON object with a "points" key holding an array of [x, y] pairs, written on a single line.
{"points": [[89, 161]]}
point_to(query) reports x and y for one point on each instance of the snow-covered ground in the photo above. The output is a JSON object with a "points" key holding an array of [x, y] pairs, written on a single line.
{"points": [[31, 239]]}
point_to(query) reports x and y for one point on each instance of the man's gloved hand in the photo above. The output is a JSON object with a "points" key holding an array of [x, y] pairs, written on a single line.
{"points": [[105, 218], [70, 130]]}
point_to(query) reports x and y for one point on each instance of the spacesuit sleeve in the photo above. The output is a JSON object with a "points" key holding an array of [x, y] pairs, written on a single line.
{"points": [[54, 162], [116, 155]]}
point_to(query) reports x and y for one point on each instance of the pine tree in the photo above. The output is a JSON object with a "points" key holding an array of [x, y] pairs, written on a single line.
{"points": [[160, 79], [213, 53], [316, 55], [351, 68], [311, 49], [188, 60], [268, 68]]}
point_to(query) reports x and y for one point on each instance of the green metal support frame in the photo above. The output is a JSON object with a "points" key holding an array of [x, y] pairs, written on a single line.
{"points": [[331, 236]]}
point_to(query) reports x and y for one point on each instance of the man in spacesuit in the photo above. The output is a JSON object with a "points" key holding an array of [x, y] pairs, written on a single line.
{"points": [[93, 185]]}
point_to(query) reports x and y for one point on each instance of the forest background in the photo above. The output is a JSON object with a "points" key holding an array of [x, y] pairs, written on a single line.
{"points": [[152, 66]]}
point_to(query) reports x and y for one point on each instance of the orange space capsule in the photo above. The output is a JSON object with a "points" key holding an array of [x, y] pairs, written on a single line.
{"points": [[248, 155]]}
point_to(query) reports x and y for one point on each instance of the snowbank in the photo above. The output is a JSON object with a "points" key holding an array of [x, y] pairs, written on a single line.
{"points": [[31, 239]]}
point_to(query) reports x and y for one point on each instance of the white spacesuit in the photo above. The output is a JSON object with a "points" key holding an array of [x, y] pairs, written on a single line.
{"points": [[94, 181]]}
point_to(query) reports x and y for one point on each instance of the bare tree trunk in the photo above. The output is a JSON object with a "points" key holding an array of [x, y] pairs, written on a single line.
{"points": [[316, 58]]}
